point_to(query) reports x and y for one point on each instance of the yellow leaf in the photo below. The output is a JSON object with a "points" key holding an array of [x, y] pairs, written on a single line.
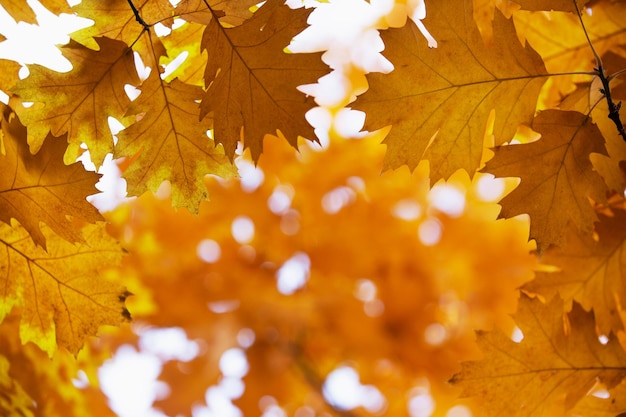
{"points": [[19, 11], [80, 102], [484, 10], [442, 97], [60, 294], [40, 188], [8, 76], [549, 371], [251, 83], [169, 141], [556, 190]]}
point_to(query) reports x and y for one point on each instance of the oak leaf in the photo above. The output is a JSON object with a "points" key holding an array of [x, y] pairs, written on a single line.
{"points": [[251, 83], [439, 111], [169, 141], [565, 364], [557, 177], [60, 294], [590, 271], [40, 188], [80, 102]]}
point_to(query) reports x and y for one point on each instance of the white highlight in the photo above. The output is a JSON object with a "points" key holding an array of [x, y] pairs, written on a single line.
{"points": [[490, 188], [251, 176], [365, 290], [338, 198], [242, 229], [223, 306], [429, 231], [36, 44], [280, 200], [174, 64], [435, 334], [517, 335], [374, 308], [293, 274], [459, 411], [168, 344], [447, 199], [209, 251], [407, 209], [421, 405], [344, 391], [129, 379], [246, 337], [233, 363]]}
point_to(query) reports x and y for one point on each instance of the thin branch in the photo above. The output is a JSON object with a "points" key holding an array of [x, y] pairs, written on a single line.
{"points": [[606, 89], [617, 74], [138, 17]]}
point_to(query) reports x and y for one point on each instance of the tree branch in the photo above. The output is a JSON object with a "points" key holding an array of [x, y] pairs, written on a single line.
{"points": [[138, 17], [606, 89]]}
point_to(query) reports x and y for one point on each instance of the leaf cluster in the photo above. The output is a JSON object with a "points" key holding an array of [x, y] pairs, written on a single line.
{"points": [[324, 263]]}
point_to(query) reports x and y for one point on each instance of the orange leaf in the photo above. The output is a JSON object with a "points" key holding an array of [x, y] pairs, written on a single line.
{"points": [[252, 82], [549, 371], [557, 177]]}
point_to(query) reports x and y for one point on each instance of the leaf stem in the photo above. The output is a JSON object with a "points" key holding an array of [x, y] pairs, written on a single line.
{"points": [[138, 17], [606, 89]]}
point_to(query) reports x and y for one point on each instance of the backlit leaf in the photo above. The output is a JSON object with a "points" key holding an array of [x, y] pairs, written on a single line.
{"points": [[60, 294], [251, 83], [80, 102], [557, 189], [442, 97], [169, 140]]}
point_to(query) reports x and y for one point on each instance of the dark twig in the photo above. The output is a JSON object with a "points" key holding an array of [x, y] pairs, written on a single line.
{"points": [[606, 89], [138, 16], [613, 108]]}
